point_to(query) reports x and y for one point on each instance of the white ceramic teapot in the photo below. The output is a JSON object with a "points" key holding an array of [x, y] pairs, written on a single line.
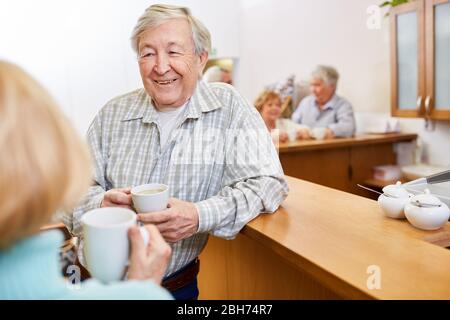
{"points": [[427, 212], [393, 200]]}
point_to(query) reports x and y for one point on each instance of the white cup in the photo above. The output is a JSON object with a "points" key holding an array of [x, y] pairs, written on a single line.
{"points": [[292, 134], [319, 133], [144, 203], [106, 243]]}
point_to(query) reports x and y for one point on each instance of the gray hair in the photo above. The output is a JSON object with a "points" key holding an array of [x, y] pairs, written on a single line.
{"points": [[326, 73], [157, 14]]}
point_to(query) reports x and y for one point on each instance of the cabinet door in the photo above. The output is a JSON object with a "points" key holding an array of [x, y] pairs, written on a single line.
{"points": [[437, 101], [408, 59]]}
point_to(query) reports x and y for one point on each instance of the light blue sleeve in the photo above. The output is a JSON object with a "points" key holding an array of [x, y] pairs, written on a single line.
{"points": [[125, 290], [345, 125], [297, 115]]}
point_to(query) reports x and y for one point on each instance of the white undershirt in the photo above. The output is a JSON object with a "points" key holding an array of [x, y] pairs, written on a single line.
{"points": [[168, 119]]}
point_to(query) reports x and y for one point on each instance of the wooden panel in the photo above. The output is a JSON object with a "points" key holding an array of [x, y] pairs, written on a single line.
{"points": [[341, 163], [429, 62], [336, 236], [245, 269], [380, 184], [213, 276], [319, 244], [362, 161], [360, 140], [433, 112], [408, 7], [327, 167]]}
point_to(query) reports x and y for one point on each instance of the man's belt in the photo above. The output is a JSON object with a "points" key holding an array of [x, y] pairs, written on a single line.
{"points": [[182, 277]]}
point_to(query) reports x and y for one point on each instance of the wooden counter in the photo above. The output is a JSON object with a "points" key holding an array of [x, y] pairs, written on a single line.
{"points": [[340, 163], [319, 245], [361, 140]]}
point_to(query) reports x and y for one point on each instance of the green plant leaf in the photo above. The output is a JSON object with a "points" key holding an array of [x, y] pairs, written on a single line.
{"points": [[392, 3], [398, 2]]}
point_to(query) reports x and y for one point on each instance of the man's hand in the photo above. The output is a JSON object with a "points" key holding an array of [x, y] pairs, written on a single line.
{"points": [[178, 222], [329, 134], [304, 134], [117, 198]]}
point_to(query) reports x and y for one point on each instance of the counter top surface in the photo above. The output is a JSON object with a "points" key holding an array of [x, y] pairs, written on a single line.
{"points": [[345, 142], [337, 237]]}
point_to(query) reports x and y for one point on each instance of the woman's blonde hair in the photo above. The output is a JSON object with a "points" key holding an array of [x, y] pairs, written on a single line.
{"points": [[157, 14], [44, 165], [265, 97]]}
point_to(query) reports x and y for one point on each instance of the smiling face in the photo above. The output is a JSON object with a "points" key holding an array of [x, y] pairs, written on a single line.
{"points": [[321, 90], [168, 64], [271, 110]]}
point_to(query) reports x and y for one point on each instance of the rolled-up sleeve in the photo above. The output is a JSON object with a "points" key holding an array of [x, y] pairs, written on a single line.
{"points": [[251, 186], [94, 196], [345, 121]]}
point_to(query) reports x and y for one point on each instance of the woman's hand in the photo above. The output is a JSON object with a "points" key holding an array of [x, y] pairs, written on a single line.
{"points": [[148, 262], [283, 137]]}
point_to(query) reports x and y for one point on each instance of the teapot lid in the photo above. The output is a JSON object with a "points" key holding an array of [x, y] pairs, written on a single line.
{"points": [[396, 191], [426, 199]]}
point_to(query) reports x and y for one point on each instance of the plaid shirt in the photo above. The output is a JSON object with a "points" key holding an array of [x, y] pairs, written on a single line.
{"points": [[220, 157]]}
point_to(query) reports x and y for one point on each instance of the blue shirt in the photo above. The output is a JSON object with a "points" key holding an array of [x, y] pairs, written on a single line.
{"points": [[30, 270], [336, 114]]}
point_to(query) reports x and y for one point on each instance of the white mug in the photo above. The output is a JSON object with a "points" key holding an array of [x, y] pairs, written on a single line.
{"points": [[292, 134], [106, 243], [144, 203], [319, 133]]}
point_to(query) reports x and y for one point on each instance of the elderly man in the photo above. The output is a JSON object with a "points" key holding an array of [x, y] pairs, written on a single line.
{"points": [[325, 108], [186, 134]]}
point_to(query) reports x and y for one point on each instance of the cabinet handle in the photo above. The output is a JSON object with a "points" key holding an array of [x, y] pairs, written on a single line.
{"points": [[427, 105], [419, 103]]}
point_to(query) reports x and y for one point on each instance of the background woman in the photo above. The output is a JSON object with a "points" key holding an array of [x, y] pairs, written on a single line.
{"points": [[269, 105]]}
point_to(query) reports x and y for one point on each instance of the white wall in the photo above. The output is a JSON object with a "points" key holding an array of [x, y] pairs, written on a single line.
{"points": [[436, 142], [283, 37], [292, 36], [80, 50]]}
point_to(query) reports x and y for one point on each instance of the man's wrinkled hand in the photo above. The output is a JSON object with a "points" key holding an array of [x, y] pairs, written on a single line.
{"points": [[329, 134], [304, 134], [117, 198], [179, 221]]}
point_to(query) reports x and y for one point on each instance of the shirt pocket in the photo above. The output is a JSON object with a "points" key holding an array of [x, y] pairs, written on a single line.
{"points": [[131, 159], [196, 170]]}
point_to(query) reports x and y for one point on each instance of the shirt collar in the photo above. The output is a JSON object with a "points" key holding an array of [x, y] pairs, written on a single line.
{"points": [[330, 104], [141, 108], [203, 100]]}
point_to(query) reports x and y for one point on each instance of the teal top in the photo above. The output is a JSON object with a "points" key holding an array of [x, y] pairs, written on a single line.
{"points": [[30, 270]]}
